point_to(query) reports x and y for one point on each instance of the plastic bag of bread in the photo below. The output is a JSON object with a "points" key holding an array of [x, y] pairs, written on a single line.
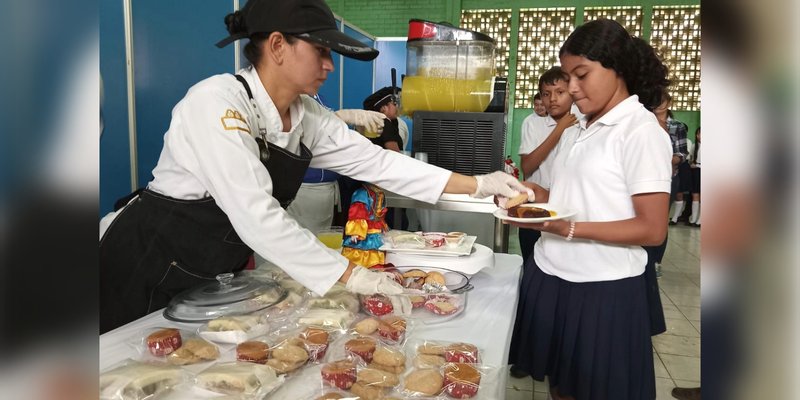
{"points": [[368, 351], [423, 382], [289, 350], [404, 239], [239, 378], [314, 340], [389, 329], [234, 328], [472, 381], [329, 318], [337, 297], [330, 394], [134, 380], [173, 346], [195, 350], [427, 353]]}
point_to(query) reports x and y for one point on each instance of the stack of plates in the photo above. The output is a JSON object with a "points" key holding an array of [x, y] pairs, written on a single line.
{"points": [[480, 257]]}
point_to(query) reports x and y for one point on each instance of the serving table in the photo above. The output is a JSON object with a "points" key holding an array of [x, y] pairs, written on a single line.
{"points": [[487, 322]]}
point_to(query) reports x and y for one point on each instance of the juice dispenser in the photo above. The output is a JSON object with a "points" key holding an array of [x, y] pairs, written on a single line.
{"points": [[448, 69]]}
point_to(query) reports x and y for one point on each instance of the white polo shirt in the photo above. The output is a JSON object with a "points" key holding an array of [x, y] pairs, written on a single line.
{"points": [[209, 151], [596, 172], [534, 132]]}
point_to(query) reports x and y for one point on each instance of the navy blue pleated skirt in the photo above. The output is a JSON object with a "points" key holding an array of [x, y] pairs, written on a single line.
{"points": [[592, 339]]}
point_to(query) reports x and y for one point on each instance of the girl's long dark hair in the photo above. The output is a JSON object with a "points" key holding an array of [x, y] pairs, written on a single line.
{"points": [[608, 43]]}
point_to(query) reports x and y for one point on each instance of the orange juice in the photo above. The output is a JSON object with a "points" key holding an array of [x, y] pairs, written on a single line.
{"points": [[331, 237], [427, 93]]}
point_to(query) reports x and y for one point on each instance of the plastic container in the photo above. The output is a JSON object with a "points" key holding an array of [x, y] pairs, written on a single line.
{"points": [[447, 69], [228, 296], [479, 258]]}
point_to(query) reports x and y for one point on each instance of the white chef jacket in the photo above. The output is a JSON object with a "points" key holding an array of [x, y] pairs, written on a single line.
{"points": [[402, 128], [596, 172], [209, 151]]}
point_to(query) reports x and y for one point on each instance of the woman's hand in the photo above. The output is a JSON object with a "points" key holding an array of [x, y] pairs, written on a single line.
{"points": [[541, 194], [499, 184]]}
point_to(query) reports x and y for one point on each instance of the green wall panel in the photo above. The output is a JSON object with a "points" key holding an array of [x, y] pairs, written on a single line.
{"points": [[389, 18]]}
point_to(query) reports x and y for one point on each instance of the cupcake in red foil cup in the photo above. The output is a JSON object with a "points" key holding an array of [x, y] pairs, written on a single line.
{"points": [[392, 328], [377, 305], [315, 341], [252, 351], [164, 341], [417, 301], [341, 374], [442, 304], [461, 353], [461, 381], [362, 347]]}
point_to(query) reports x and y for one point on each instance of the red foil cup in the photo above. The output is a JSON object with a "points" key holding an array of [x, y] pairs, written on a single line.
{"points": [[460, 389], [377, 305], [461, 354], [341, 374], [164, 341]]}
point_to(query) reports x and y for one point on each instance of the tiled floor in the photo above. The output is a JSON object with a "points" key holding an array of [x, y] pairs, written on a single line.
{"points": [[677, 351]]}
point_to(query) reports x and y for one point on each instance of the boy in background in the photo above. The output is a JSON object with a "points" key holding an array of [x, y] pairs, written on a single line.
{"points": [[540, 136]]}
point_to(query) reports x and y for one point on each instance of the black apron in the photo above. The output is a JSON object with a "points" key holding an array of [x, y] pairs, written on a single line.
{"points": [[159, 246]]}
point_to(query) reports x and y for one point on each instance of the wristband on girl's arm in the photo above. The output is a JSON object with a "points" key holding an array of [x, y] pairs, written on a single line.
{"points": [[571, 233]]}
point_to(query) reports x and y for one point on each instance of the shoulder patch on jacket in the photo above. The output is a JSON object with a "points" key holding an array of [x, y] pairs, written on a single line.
{"points": [[232, 120]]}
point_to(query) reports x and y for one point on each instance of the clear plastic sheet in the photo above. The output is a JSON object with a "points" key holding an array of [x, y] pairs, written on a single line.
{"points": [[248, 380], [389, 329], [136, 380], [175, 347], [234, 329]]}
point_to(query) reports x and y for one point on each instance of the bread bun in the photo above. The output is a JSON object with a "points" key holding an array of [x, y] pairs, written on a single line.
{"points": [[517, 200]]}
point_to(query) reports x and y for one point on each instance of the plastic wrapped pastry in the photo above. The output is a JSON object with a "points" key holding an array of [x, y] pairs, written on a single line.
{"points": [[136, 381], [234, 329], [239, 378]]}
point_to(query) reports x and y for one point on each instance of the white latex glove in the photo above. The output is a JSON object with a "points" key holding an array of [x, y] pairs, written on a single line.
{"points": [[371, 120], [501, 184], [364, 281], [401, 304]]}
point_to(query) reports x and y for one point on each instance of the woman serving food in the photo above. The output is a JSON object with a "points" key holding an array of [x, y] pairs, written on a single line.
{"points": [[233, 158]]}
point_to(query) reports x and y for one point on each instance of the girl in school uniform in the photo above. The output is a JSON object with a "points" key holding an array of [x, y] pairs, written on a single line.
{"points": [[583, 318]]}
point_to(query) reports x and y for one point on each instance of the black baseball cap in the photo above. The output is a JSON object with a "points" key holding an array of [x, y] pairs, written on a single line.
{"points": [[375, 101], [310, 20]]}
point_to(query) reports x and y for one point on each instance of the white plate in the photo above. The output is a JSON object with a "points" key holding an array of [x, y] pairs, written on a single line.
{"points": [[463, 249], [561, 213]]}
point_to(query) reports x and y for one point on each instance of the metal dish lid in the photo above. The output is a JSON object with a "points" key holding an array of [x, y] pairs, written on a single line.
{"points": [[228, 295]]}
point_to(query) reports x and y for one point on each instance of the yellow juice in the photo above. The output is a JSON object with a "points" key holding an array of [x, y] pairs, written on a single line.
{"points": [[426, 93], [331, 239]]}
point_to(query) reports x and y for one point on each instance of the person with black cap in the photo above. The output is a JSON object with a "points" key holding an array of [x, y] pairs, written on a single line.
{"points": [[384, 101], [233, 158]]}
